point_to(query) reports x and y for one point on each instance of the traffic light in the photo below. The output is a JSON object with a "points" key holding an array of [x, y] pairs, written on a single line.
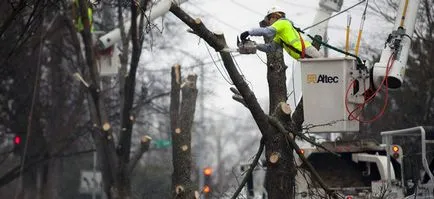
{"points": [[207, 174], [18, 142], [396, 152]]}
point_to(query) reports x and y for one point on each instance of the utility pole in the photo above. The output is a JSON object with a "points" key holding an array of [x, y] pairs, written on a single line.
{"points": [[202, 128]]}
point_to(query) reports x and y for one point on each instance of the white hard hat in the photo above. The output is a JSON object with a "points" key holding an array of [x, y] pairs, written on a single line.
{"points": [[275, 9]]}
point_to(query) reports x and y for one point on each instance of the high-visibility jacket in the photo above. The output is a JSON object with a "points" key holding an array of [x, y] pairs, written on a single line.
{"points": [[78, 22], [287, 36]]}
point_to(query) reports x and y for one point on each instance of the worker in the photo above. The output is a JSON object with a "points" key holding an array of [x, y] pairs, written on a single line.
{"points": [[278, 27], [77, 18]]}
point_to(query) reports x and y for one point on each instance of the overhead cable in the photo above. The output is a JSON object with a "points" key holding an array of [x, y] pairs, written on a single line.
{"points": [[328, 18]]}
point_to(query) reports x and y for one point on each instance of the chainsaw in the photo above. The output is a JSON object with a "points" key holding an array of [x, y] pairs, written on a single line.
{"points": [[244, 47]]}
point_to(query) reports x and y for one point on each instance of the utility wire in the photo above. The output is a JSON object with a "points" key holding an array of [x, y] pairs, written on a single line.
{"points": [[217, 19], [247, 8], [241, 72], [328, 18], [215, 64]]}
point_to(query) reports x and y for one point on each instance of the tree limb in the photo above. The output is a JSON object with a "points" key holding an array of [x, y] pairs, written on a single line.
{"points": [[145, 142], [281, 128], [218, 42]]}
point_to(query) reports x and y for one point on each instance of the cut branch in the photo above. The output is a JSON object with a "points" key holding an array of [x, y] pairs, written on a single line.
{"points": [[145, 142], [282, 129], [218, 42], [274, 157], [283, 112]]}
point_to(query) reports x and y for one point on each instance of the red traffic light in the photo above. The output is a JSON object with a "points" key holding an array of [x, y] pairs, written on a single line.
{"points": [[207, 171], [17, 140], [206, 189]]}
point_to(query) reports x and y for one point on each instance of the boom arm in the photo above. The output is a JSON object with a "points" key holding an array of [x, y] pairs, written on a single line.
{"points": [[114, 36], [326, 8], [398, 46]]}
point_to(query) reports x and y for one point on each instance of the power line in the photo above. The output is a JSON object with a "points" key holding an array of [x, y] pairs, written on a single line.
{"points": [[188, 66], [217, 19], [298, 5], [328, 18], [247, 8], [215, 64]]}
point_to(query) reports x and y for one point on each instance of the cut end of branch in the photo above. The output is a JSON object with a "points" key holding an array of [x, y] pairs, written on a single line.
{"points": [[190, 81], [179, 189], [184, 147], [274, 157], [178, 130], [285, 108], [145, 139], [217, 33], [177, 69], [291, 135], [197, 21], [106, 126], [192, 77], [131, 117]]}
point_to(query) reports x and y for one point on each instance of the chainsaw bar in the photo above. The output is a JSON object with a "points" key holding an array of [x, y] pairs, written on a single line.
{"points": [[230, 50], [244, 47]]}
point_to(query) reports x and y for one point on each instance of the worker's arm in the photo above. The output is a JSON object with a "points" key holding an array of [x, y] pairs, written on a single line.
{"points": [[266, 32], [268, 47]]}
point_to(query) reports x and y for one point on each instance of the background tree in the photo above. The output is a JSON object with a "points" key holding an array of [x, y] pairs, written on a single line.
{"points": [[412, 104]]}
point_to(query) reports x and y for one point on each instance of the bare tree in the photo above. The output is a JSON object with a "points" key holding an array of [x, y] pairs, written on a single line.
{"points": [[279, 142], [115, 160], [182, 108], [412, 104]]}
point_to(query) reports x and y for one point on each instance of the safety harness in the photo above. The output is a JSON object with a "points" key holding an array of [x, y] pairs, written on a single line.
{"points": [[302, 53]]}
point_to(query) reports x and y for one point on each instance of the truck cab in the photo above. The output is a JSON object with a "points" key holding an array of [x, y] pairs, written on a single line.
{"points": [[355, 169]]}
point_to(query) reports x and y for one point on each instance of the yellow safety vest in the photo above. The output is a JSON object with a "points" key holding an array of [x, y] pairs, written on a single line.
{"points": [[78, 22], [286, 36]]}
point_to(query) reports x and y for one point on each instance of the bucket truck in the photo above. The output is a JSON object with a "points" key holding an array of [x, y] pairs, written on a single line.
{"points": [[335, 90], [109, 62]]}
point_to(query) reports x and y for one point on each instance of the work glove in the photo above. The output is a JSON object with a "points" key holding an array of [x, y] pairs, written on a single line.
{"points": [[244, 35]]}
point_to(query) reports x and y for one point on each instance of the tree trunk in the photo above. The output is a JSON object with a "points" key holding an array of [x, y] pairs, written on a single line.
{"points": [[115, 164], [102, 133], [280, 175], [181, 117]]}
